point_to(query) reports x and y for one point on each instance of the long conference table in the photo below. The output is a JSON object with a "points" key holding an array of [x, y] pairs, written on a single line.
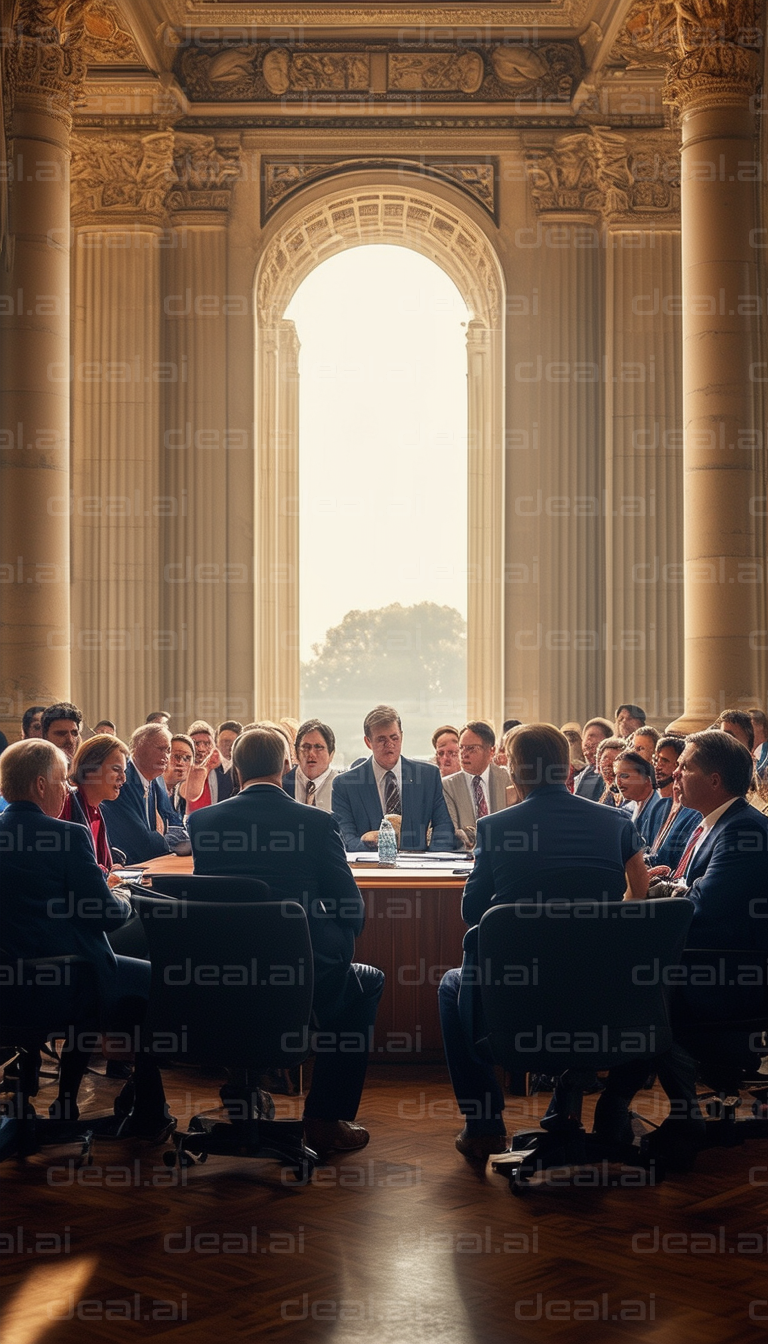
{"points": [[413, 932]]}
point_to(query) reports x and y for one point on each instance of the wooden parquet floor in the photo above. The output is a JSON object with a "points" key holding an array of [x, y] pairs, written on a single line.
{"points": [[401, 1242]]}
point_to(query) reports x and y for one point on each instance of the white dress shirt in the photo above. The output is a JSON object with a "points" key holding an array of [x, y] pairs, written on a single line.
{"points": [[379, 773], [302, 782], [485, 780]]}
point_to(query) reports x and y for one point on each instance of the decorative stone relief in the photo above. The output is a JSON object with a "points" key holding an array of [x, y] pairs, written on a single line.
{"points": [[604, 171], [282, 177], [118, 173], [719, 44], [204, 172], [107, 40], [257, 72]]}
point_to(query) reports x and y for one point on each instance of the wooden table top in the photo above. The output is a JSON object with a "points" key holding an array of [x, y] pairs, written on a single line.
{"points": [[367, 875]]}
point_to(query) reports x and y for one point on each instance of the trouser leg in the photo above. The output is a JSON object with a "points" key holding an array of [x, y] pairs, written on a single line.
{"points": [[341, 1052], [474, 1080]]}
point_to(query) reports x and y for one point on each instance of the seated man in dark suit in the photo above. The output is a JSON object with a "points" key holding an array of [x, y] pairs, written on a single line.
{"points": [[549, 829], [262, 832], [142, 822], [409, 793], [55, 900]]}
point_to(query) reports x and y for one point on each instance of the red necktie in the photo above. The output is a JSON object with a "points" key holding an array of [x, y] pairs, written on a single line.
{"points": [[683, 864], [481, 807]]}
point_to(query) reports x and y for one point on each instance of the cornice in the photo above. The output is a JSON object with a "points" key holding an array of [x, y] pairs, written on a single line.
{"points": [[558, 14]]}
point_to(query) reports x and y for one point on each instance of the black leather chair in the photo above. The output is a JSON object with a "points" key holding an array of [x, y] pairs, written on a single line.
{"points": [[194, 887], [43, 999], [232, 986], [565, 986]]}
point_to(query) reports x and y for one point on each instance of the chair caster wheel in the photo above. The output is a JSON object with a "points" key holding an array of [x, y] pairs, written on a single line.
{"points": [[185, 1159], [169, 1158], [201, 1157]]}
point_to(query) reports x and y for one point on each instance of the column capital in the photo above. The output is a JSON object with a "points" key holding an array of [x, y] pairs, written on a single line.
{"points": [[601, 173], [121, 178], [204, 171], [718, 48], [44, 56]]}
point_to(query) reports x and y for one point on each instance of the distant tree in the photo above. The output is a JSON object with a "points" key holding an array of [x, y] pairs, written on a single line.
{"points": [[390, 654]]}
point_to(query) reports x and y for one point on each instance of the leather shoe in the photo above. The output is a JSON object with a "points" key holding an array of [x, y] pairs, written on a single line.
{"points": [[333, 1136], [479, 1147], [149, 1130]]}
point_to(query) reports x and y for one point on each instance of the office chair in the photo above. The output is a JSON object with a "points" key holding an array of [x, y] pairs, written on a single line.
{"points": [[232, 987], [569, 989], [195, 887], [42, 998]]}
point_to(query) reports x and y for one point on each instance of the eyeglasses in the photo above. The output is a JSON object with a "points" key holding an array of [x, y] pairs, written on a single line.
{"points": [[304, 751], [181, 758], [465, 750]]}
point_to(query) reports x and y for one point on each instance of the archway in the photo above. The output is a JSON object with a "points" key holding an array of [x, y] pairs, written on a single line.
{"points": [[309, 233]]}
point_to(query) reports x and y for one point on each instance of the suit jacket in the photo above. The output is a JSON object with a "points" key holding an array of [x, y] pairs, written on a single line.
{"points": [[263, 833], [551, 828], [672, 847], [651, 817], [728, 882], [460, 800], [323, 796], [55, 898], [126, 818], [589, 784], [357, 806]]}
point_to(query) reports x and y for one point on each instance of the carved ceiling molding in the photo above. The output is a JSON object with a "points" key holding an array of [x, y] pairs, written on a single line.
{"points": [[604, 172], [361, 215], [399, 71], [283, 176], [107, 40], [44, 56], [558, 14], [149, 175]]}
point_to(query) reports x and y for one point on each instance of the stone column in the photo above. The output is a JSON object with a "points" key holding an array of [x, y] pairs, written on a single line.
{"points": [[118, 502], [43, 67], [556, 619], [277, 524], [485, 651], [643, 472], [712, 84], [197, 444]]}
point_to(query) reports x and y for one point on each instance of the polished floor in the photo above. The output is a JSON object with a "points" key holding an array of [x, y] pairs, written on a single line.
{"points": [[401, 1242]]}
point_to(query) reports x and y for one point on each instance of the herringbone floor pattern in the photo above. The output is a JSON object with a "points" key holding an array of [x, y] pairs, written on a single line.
{"points": [[401, 1242]]}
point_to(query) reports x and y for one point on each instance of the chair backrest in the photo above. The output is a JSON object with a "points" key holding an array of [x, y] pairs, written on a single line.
{"points": [[583, 986], [594, 882], [197, 888], [43, 996], [232, 983]]}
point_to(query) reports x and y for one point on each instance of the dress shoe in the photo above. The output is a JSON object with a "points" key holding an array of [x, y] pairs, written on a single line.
{"points": [[479, 1147], [334, 1136], [253, 1105], [150, 1130]]}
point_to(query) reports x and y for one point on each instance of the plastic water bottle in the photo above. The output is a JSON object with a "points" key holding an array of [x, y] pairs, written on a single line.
{"points": [[387, 844]]}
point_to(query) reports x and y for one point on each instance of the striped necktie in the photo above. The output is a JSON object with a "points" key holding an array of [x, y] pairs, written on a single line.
{"points": [[392, 804], [310, 798]]}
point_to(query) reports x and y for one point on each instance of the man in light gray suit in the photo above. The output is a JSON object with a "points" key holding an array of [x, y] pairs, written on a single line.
{"points": [[311, 781], [480, 787]]}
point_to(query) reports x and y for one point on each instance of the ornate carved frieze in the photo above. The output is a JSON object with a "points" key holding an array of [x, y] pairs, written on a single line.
{"points": [[204, 173], [500, 72], [282, 177], [605, 172], [119, 173], [44, 55], [107, 40]]}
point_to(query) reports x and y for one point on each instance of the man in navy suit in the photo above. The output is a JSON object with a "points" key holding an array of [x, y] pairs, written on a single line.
{"points": [[549, 829], [410, 793], [56, 901], [142, 822], [261, 832]]}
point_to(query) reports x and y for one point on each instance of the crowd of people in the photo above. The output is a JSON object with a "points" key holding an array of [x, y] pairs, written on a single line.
{"points": [[673, 815]]}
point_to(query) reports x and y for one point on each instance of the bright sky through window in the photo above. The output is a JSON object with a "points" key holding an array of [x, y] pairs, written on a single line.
{"points": [[383, 436]]}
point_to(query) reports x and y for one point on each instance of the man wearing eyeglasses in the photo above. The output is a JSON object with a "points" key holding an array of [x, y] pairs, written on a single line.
{"points": [[311, 781], [479, 787]]}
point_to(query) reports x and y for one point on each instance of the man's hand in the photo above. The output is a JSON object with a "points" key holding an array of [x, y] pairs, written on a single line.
{"points": [[370, 838], [661, 871]]}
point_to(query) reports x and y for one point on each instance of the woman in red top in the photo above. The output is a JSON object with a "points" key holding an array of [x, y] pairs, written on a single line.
{"points": [[98, 774]]}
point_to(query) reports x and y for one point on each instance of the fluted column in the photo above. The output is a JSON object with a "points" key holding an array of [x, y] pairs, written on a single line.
{"points": [[277, 524], [485, 652], [118, 502], [43, 69], [712, 84], [643, 481], [198, 440], [555, 497]]}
